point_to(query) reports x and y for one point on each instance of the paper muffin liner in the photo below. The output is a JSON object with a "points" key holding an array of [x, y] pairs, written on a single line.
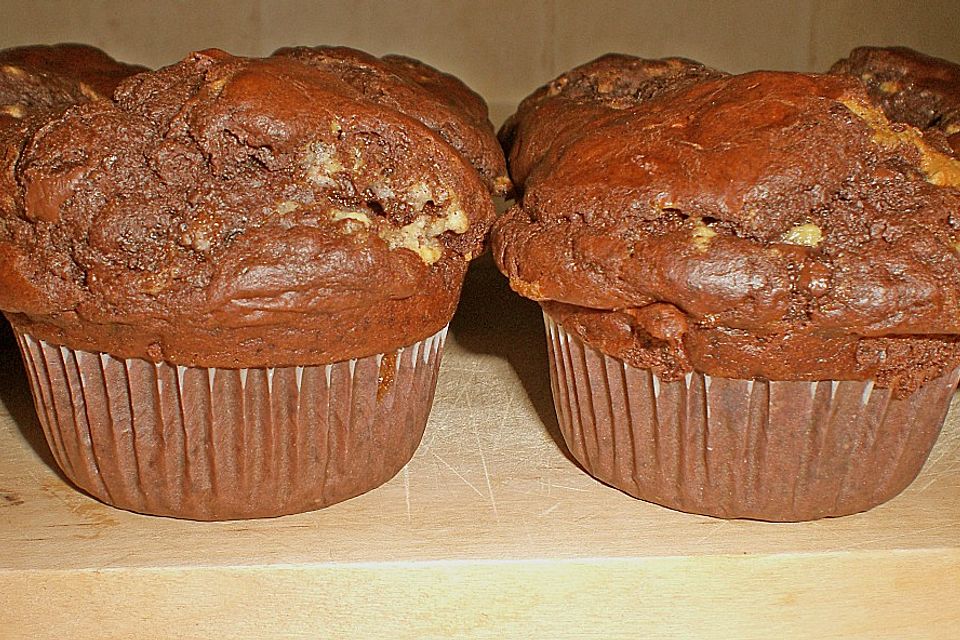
{"points": [[780, 451], [220, 444]]}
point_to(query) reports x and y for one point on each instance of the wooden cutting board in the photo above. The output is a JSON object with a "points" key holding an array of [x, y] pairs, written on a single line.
{"points": [[490, 532]]}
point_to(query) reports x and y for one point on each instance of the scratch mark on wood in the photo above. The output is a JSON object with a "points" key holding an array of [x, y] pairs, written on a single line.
{"points": [[546, 512], [457, 473], [563, 486], [406, 491], [714, 528], [486, 474]]}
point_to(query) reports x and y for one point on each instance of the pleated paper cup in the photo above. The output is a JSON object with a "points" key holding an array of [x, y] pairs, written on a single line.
{"points": [[221, 444], [767, 450]]}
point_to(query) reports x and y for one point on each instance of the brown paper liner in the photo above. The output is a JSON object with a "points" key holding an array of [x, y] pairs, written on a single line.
{"points": [[220, 444], [780, 451]]}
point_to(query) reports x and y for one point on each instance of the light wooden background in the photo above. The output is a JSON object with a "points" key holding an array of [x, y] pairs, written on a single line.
{"points": [[502, 48]]}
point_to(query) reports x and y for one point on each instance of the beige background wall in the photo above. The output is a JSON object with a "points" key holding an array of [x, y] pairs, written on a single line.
{"points": [[502, 48]]}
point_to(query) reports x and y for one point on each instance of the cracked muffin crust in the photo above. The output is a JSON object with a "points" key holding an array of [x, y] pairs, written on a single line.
{"points": [[910, 87], [438, 100], [766, 225], [236, 212]]}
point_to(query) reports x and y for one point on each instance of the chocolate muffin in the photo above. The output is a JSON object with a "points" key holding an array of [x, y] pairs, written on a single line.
{"points": [[749, 284], [232, 282], [910, 87]]}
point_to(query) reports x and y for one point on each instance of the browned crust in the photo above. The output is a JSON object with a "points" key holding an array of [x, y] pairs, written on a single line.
{"points": [[238, 212], [778, 214]]}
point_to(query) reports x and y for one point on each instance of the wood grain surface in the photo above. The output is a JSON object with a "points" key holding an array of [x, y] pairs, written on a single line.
{"points": [[490, 532]]}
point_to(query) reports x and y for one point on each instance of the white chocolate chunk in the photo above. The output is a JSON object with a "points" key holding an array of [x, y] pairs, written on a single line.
{"points": [[702, 235], [287, 206], [13, 110], [321, 164], [345, 214], [420, 236], [806, 235], [418, 196]]}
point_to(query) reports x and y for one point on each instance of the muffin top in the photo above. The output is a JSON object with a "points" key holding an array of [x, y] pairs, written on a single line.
{"points": [[46, 77], [556, 113], [240, 212], [760, 225], [438, 100], [910, 87]]}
